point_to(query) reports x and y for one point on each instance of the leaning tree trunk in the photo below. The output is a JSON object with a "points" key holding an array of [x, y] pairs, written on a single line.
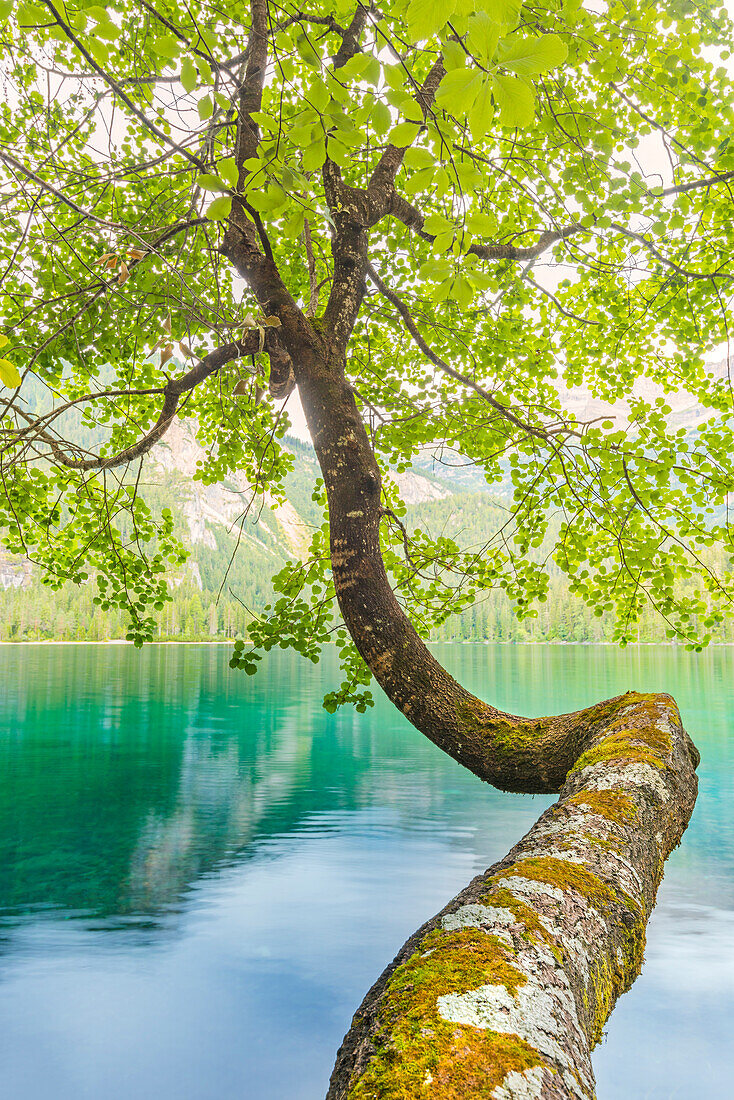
{"points": [[505, 992]]}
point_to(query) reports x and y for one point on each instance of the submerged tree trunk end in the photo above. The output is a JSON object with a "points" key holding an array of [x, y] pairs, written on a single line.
{"points": [[505, 993]]}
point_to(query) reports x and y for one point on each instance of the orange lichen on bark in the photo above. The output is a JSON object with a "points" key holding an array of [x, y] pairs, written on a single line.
{"points": [[613, 805]]}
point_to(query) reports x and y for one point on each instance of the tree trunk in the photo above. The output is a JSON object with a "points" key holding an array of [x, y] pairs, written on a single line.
{"points": [[506, 991]]}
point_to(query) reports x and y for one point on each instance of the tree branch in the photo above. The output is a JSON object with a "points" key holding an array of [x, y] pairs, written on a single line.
{"points": [[118, 90], [382, 180], [172, 392], [413, 218], [528, 429]]}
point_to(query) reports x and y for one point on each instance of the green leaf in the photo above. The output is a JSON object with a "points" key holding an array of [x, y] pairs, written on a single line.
{"points": [[218, 211], [228, 170], [426, 17], [419, 181], [404, 134], [293, 225], [266, 200], [30, 14], [189, 74], [211, 183], [381, 117], [318, 95], [308, 52], [373, 72], [515, 100], [205, 70], [482, 113], [205, 107], [482, 225], [107, 30], [482, 37], [9, 375], [533, 56], [458, 90], [419, 158], [314, 156], [436, 223], [99, 51], [504, 12], [454, 56], [6, 6], [462, 292], [302, 136]]}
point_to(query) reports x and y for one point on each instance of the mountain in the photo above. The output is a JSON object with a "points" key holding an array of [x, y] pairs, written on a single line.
{"points": [[238, 539]]}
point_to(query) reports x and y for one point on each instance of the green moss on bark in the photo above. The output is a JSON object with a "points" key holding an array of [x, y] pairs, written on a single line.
{"points": [[613, 805], [565, 875], [417, 1053], [500, 897]]}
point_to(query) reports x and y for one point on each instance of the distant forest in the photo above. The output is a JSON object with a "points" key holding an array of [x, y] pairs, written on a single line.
{"points": [[37, 613], [219, 589]]}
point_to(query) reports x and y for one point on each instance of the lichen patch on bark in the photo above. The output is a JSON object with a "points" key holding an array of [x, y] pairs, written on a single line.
{"points": [[505, 993]]}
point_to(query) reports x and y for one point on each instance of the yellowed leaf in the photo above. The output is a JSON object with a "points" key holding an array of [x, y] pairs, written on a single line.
{"points": [[9, 374], [124, 273]]}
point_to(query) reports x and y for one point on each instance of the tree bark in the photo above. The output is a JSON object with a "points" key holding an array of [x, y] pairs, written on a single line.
{"points": [[505, 992]]}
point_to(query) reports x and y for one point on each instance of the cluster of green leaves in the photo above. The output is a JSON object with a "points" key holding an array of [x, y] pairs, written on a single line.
{"points": [[119, 126], [76, 542], [304, 617]]}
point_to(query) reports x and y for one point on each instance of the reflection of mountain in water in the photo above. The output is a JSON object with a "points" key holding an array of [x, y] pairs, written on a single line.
{"points": [[221, 804], [128, 776], [125, 777]]}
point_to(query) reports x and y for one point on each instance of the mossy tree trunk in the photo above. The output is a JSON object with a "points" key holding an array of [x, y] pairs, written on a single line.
{"points": [[505, 992]]}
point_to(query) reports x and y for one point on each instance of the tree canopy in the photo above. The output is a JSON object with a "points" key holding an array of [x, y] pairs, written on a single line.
{"points": [[543, 196], [433, 219]]}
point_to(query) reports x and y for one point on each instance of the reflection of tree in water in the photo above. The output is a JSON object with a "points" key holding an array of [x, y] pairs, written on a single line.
{"points": [[108, 756], [217, 812], [124, 776]]}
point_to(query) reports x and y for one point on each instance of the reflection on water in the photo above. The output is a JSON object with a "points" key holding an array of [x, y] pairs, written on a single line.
{"points": [[201, 873]]}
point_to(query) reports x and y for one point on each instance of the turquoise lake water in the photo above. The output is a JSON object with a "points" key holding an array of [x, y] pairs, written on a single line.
{"points": [[201, 873]]}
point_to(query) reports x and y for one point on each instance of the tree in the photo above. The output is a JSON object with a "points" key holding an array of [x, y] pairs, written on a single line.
{"points": [[431, 219]]}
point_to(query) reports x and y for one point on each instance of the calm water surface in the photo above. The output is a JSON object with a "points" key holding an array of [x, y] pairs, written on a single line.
{"points": [[202, 873]]}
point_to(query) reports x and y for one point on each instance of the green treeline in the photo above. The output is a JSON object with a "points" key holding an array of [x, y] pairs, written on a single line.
{"points": [[222, 585]]}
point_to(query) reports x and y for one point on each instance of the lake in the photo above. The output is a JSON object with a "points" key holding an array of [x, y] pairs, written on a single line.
{"points": [[201, 873]]}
